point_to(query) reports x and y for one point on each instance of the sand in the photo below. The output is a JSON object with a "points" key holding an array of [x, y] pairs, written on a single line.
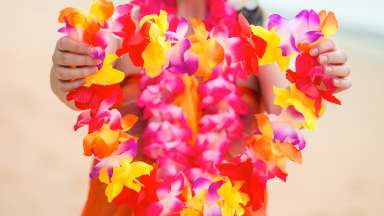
{"points": [[43, 171]]}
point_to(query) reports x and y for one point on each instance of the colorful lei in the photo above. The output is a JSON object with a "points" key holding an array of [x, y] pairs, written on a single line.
{"points": [[193, 106]]}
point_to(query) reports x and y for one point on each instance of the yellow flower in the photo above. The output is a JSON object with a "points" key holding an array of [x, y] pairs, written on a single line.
{"points": [[273, 52], [155, 57], [107, 75], [161, 21], [101, 10], [124, 175], [304, 105], [194, 204], [233, 201], [155, 54]]}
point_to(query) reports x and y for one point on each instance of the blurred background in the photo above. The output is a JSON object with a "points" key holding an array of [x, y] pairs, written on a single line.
{"points": [[43, 171]]}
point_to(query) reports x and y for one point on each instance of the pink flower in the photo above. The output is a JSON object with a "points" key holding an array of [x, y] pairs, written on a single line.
{"points": [[161, 89], [169, 195], [166, 139]]}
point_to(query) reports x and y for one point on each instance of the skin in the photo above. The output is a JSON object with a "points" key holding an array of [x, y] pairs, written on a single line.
{"points": [[72, 62]]}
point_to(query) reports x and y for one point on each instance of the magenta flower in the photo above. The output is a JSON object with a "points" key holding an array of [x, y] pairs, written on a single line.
{"points": [[285, 133], [182, 60], [181, 31], [304, 28], [70, 31]]}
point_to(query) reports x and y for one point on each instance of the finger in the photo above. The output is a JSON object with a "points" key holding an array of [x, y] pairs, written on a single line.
{"points": [[66, 74], [340, 71], [342, 84], [68, 86], [66, 44], [74, 60], [322, 47], [336, 57]]}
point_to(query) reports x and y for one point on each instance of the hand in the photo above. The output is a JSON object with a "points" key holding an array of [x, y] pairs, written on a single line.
{"points": [[72, 62], [334, 63]]}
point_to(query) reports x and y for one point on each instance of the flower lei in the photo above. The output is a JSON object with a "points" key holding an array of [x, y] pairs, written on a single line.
{"points": [[193, 105]]}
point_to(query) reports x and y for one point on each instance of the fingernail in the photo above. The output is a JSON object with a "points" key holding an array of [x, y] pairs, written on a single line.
{"points": [[314, 52], [323, 59], [97, 52], [328, 70]]}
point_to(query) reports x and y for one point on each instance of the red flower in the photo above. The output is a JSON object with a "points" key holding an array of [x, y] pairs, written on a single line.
{"points": [[253, 46], [254, 181], [91, 97], [140, 201], [312, 81], [134, 41]]}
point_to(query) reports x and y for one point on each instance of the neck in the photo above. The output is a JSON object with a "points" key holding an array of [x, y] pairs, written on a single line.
{"points": [[192, 8]]}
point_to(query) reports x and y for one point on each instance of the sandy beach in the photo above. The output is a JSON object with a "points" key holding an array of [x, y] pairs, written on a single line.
{"points": [[43, 171]]}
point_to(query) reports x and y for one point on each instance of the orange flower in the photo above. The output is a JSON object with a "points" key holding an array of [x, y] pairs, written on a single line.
{"points": [[100, 11], [189, 103], [91, 24], [209, 51], [104, 141], [265, 146], [328, 23]]}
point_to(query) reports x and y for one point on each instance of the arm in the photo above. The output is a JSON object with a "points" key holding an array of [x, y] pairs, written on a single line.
{"points": [[270, 76]]}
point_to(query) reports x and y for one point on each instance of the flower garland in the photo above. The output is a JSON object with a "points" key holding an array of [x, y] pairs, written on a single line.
{"points": [[193, 105]]}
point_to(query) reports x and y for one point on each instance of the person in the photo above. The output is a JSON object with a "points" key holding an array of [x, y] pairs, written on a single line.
{"points": [[72, 62]]}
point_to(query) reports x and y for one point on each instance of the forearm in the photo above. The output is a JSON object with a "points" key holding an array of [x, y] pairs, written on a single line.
{"points": [[61, 94], [270, 76]]}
